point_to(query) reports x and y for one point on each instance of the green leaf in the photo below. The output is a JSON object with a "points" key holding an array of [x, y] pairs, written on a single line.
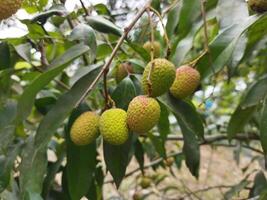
{"points": [[263, 131], [189, 13], [7, 128], [31, 181], [256, 93], [173, 19], [32, 6], [140, 50], [236, 189], [117, 158], [139, 154], [81, 161], [87, 35], [103, 25], [239, 119], [4, 56], [124, 93], [191, 126], [260, 185], [26, 100], [158, 143], [6, 166], [24, 51], [186, 112], [62, 109], [164, 123], [223, 46]]}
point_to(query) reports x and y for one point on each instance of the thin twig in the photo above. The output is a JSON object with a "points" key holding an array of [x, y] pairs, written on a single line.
{"points": [[117, 47], [164, 30], [153, 163], [152, 49], [84, 8]]}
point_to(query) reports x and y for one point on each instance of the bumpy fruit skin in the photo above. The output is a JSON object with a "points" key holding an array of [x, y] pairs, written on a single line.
{"points": [[122, 71], [258, 5], [113, 126], [85, 128], [162, 77], [186, 81], [9, 7], [143, 114], [156, 45]]}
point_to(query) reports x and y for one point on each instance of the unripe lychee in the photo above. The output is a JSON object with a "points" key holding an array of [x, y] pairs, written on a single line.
{"points": [[122, 71], [143, 114], [169, 161], [161, 75], [156, 48], [145, 182], [186, 82], [9, 7], [258, 5], [85, 128], [113, 126]]}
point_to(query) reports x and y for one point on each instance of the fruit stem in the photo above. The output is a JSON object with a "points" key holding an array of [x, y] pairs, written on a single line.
{"points": [[151, 52], [164, 29]]}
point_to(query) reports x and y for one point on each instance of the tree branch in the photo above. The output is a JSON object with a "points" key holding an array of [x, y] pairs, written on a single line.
{"points": [[117, 47]]}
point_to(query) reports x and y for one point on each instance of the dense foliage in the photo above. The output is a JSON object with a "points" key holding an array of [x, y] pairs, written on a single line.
{"points": [[70, 62]]}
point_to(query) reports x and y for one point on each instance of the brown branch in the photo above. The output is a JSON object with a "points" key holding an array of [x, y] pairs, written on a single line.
{"points": [[117, 47], [153, 163], [84, 8]]}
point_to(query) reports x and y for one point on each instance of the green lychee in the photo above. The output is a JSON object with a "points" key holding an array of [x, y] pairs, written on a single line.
{"points": [[122, 71], [258, 5], [156, 48], [113, 126], [85, 128], [143, 114], [162, 75], [186, 82], [145, 182], [9, 7]]}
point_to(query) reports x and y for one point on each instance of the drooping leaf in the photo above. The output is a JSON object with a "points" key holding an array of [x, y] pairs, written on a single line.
{"points": [[239, 119], [185, 112], [117, 159], [31, 181], [124, 93], [87, 35], [260, 184], [82, 158], [236, 189], [173, 19], [256, 93], [103, 25], [139, 154], [62, 109], [191, 127], [158, 143], [26, 100], [6, 165], [223, 46], [164, 123]]}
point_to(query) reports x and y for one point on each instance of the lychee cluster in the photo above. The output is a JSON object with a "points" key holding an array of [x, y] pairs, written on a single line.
{"points": [[143, 112]]}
